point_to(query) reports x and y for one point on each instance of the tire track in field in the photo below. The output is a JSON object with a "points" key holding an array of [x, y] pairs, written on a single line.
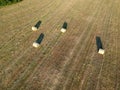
{"points": [[93, 75], [70, 78], [96, 64], [117, 43], [107, 24], [94, 67], [117, 46]]}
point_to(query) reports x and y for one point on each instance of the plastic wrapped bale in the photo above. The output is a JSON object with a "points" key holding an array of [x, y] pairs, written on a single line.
{"points": [[64, 27], [35, 28], [38, 41], [99, 45], [101, 51], [36, 45]]}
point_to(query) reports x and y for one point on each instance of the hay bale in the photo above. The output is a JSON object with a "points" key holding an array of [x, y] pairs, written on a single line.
{"points": [[63, 30], [101, 51], [64, 27], [36, 45], [38, 41], [34, 28], [99, 45]]}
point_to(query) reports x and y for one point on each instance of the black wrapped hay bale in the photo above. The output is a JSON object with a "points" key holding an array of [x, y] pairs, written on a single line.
{"points": [[38, 41], [35, 27], [64, 27], [99, 46]]}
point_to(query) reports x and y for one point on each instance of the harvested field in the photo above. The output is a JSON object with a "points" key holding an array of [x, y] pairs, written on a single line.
{"points": [[63, 61]]}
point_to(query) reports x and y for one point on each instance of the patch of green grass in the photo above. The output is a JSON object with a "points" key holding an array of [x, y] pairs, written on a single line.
{"points": [[8, 2]]}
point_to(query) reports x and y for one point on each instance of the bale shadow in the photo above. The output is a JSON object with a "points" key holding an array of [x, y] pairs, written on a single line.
{"points": [[40, 38], [37, 25], [65, 25], [98, 43]]}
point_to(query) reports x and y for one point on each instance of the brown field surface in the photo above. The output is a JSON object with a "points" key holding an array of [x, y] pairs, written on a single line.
{"points": [[64, 61]]}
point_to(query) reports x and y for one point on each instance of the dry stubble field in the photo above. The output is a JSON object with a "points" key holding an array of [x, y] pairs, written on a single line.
{"points": [[66, 61]]}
